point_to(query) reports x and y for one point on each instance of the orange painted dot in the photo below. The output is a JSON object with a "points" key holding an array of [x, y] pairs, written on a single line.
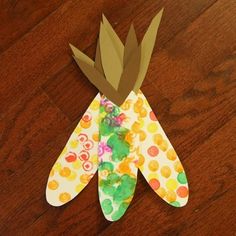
{"points": [[171, 196], [164, 145], [171, 154], [157, 138], [152, 116], [96, 137], [65, 172], [64, 197], [84, 178], [84, 124], [153, 165], [178, 167], [165, 171], [153, 151], [182, 191], [154, 183], [140, 161], [142, 112], [142, 135], [161, 192], [53, 185], [135, 127]]}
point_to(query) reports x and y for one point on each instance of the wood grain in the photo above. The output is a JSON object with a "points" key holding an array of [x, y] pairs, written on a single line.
{"points": [[190, 85]]}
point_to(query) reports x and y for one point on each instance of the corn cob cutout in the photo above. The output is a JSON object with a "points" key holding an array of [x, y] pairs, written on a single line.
{"points": [[119, 133]]}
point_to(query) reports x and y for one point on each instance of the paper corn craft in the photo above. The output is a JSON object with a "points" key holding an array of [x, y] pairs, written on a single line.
{"points": [[119, 133]]}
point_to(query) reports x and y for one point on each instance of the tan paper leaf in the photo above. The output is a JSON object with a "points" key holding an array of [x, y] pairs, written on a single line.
{"points": [[110, 60], [147, 46]]}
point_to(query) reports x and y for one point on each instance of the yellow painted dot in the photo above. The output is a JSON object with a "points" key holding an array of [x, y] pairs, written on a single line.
{"points": [[53, 185], [79, 187], [171, 184], [152, 176], [96, 137], [78, 130], [95, 105], [153, 165], [165, 171], [65, 172], [64, 197], [170, 196], [94, 159], [57, 166], [152, 127], [74, 143], [72, 176], [161, 192], [76, 164], [171, 154], [178, 167], [141, 122], [164, 145]]}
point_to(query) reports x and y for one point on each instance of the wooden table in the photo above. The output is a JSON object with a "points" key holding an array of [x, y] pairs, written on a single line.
{"points": [[190, 84]]}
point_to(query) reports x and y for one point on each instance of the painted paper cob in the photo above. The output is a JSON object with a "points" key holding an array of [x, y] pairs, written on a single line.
{"points": [[119, 133]]}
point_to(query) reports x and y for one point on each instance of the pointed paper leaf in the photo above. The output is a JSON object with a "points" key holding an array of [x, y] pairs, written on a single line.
{"points": [[119, 47], [98, 62], [110, 61], [99, 82], [130, 45], [147, 46], [159, 162], [80, 55], [78, 161], [130, 73]]}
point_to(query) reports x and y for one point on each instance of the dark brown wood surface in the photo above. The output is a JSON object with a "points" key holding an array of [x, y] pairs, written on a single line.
{"points": [[191, 85]]}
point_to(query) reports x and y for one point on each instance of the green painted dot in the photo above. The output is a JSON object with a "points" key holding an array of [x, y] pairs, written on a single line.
{"points": [[182, 178], [113, 178], [175, 204], [106, 166], [120, 212], [107, 206], [109, 189]]}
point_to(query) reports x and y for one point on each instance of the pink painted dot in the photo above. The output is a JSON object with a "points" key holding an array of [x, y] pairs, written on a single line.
{"points": [[152, 116], [154, 183], [153, 151]]}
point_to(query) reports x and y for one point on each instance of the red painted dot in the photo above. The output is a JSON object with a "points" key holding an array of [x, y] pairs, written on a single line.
{"points": [[71, 157], [88, 145], [153, 151], [87, 165], [152, 116], [182, 191], [86, 117], [154, 183], [83, 155], [83, 138]]}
